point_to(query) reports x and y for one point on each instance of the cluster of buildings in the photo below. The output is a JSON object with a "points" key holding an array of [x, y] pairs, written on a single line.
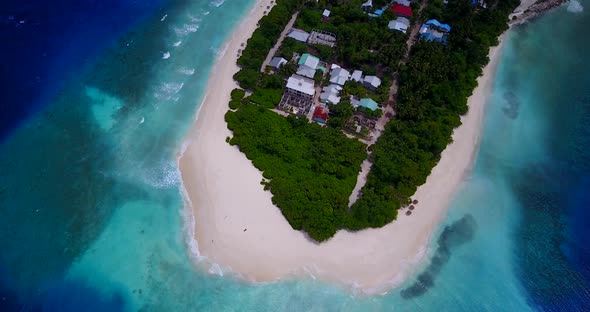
{"points": [[432, 30], [339, 76], [301, 95], [298, 97]]}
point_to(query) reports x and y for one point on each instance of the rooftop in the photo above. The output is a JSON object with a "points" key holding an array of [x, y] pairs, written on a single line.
{"points": [[320, 114], [339, 75], [403, 2], [431, 34], [331, 94], [433, 22], [301, 84], [277, 62], [401, 23], [309, 61], [368, 103], [357, 75], [373, 80], [402, 10], [298, 35], [306, 71]]}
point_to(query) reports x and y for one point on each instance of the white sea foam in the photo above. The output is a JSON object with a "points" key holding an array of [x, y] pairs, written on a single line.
{"points": [[162, 177], [186, 29], [166, 55], [575, 7], [164, 17], [206, 13], [220, 53], [166, 90], [177, 43], [142, 120], [215, 269], [194, 19], [186, 71], [217, 3]]}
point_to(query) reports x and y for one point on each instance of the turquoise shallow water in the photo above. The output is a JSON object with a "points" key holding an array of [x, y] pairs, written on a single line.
{"points": [[93, 217]]}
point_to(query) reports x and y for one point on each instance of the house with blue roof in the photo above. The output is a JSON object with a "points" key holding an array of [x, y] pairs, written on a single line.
{"points": [[368, 103], [441, 26], [434, 30]]}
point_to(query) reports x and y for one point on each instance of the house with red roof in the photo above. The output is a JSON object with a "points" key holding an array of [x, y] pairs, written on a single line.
{"points": [[402, 10], [320, 114]]}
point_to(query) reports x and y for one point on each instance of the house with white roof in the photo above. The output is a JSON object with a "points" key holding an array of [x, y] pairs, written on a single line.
{"points": [[331, 94], [326, 13], [367, 6], [357, 76], [372, 82], [400, 24], [339, 76], [298, 95]]}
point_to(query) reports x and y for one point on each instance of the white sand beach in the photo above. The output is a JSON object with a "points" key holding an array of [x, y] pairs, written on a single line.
{"points": [[238, 227]]}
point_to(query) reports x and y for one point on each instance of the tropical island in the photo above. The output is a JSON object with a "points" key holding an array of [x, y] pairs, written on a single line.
{"points": [[375, 81], [293, 163]]}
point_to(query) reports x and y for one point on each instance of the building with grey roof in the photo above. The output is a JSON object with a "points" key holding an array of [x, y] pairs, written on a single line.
{"points": [[357, 76], [298, 35], [331, 94], [372, 82], [306, 71], [400, 24], [277, 62], [339, 76]]}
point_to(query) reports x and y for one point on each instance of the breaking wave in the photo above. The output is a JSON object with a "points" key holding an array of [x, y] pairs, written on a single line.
{"points": [[217, 3], [186, 29], [166, 90], [186, 71]]}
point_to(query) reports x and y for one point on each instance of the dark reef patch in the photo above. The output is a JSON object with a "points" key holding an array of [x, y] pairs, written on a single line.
{"points": [[453, 236]]}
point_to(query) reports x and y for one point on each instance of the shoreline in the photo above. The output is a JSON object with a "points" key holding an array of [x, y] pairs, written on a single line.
{"points": [[237, 228]]}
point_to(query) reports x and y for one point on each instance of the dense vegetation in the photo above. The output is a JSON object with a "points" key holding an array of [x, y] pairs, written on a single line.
{"points": [[311, 170], [433, 94]]}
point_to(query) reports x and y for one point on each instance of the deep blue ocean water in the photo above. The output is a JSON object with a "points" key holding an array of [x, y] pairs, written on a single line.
{"points": [[45, 43], [92, 217]]}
